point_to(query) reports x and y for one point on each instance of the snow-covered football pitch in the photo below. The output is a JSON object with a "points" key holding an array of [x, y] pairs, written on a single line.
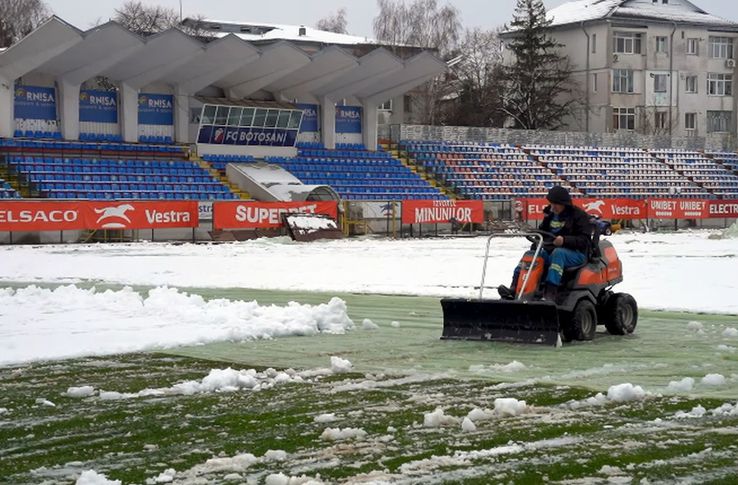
{"points": [[282, 363]]}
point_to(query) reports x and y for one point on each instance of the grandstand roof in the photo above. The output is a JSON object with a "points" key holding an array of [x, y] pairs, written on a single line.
{"points": [[679, 11], [231, 62]]}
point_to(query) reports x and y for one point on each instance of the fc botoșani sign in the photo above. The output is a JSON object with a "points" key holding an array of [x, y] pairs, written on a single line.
{"points": [[79, 215], [226, 135], [442, 211], [265, 215]]}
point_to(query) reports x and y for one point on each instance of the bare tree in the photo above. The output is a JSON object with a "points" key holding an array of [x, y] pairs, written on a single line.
{"points": [[146, 19], [336, 23], [18, 18], [426, 24]]}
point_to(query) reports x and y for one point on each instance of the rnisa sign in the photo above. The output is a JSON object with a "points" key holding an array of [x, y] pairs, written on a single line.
{"points": [[348, 119], [98, 106], [35, 103], [155, 109], [310, 122]]}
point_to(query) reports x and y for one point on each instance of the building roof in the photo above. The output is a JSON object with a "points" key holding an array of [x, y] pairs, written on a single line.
{"points": [[679, 11]]}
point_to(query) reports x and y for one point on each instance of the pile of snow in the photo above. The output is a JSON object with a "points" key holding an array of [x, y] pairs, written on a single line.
{"points": [[684, 385], [369, 325], [275, 455], [438, 418], [695, 326], [395, 324], [238, 463], [282, 479], [73, 322], [339, 365], [45, 402], [4, 411], [81, 391], [167, 476], [325, 418], [91, 477], [468, 426], [696, 412], [625, 392], [729, 233], [510, 407], [713, 380], [338, 434], [730, 332], [513, 366], [726, 409], [725, 348]]}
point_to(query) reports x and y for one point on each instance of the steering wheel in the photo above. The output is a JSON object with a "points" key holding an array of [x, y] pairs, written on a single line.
{"points": [[547, 237]]}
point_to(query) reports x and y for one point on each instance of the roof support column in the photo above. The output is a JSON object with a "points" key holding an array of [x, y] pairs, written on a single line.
{"points": [[181, 115], [369, 124], [68, 97], [328, 123], [7, 108], [128, 113]]}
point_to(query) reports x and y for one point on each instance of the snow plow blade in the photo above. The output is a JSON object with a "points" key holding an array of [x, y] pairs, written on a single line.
{"points": [[501, 321]]}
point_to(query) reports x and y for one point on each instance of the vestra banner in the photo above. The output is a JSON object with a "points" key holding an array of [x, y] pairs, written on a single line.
{"points": [[80, 215], [442, 211], [265, 215], [532, 209]]}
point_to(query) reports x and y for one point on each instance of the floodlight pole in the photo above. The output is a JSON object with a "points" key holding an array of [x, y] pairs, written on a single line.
{"points": [[180, 11]]}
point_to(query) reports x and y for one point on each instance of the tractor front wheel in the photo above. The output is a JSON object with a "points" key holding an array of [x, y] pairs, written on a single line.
{"points": [[583, 324], [621, 314]]}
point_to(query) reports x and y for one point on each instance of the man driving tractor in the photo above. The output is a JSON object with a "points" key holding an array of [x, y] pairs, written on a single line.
{"points": [[570, 246]]}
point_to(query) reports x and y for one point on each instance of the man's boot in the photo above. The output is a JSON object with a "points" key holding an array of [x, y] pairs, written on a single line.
{"points": [[550, 292], [505, 292]]}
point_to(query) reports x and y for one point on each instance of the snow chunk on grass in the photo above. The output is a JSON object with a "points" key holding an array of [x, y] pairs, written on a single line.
{"points": [[625, 392], [696, 412], [509, 407], [513, 366], [713, 380], [4, 411], [236, 463], [339, 365], [726, 409], [477, 414], [438, 418], [730, 332], [695, 326], [325, 418], [338, 434], [282, 479], [45, 402], [81, 391], [468, 425], [275, 455], [91, 477], [395, 324], [167, 476], [369, 325], [684, 385]]}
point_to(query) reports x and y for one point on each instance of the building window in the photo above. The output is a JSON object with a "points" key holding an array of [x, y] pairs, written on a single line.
{"points": [[690, 121], [386, 106], [719, 121], [594, 43], [594, 82], [627, 43], [693, 47], [660, 120], [660, 83], [622, 81], [690, 84], [662, 44], [721, 47], [623, 118], [720, 84]]}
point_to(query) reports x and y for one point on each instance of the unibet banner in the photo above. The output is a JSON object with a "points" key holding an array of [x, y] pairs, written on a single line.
{"points": [[310, 122], [155, 109], [442, 211], [35, 103], [348, 119], [265, 215], [98, 106]]}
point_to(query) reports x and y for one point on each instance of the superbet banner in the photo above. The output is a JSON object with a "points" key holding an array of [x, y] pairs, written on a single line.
{"points": [[532, 209], [442, 211], [80, 215], [265, 215]]}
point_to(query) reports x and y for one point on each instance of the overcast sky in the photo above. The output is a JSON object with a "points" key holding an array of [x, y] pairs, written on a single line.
{"points": [[475, 13]]}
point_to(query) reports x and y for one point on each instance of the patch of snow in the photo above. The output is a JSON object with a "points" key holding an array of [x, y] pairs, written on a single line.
{"points": [[369, 325], [391, 429], [684, 385], [282, 479], [166, 476], [325, 418], [4, 411], [238, 463], [91, 477], [625, 392], [438, 418], [275, 455], [468, 426], [726, 409], [477, 414], [513, 366], [696, 412], [610, 470], [81, 391], [713, 380], [338, 434], [695, 326], [730, 332], [45, 402], [510, 407], [395, 324], [725, 348], [339, 365]]}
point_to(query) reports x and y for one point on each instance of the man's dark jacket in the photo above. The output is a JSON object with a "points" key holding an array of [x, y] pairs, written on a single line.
{"points": [[576, 229]]}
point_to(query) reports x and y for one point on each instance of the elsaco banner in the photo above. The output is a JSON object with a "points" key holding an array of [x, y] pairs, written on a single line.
{"points": [[79, 215], [442, 211], [265, 215]]}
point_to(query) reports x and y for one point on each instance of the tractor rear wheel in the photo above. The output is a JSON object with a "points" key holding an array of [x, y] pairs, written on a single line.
{"points": [[583, 324], [621, 314]]}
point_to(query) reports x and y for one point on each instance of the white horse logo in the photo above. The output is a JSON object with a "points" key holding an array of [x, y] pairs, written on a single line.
{"points": [[118, 212], [595, 206]]}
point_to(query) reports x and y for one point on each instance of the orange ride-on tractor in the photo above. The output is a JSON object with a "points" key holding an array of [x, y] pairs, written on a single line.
{"points": [[585, 300]]}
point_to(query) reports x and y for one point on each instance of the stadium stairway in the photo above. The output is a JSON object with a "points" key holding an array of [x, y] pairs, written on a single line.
{"points": [[221, 176], [421, 171]]}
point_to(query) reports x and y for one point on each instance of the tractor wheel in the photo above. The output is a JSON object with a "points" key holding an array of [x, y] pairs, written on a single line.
{"points": [[583, 324], [621, 314], [608, 230]]}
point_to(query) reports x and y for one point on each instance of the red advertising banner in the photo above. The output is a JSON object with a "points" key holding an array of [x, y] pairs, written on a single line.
{"points": [[79, 215], [265, 215], [442, 211], [722, 209]]}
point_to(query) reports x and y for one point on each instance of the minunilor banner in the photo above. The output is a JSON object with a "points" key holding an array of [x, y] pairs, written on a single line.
{"points": [[265, 215], [80, 215], [442, 211]]}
